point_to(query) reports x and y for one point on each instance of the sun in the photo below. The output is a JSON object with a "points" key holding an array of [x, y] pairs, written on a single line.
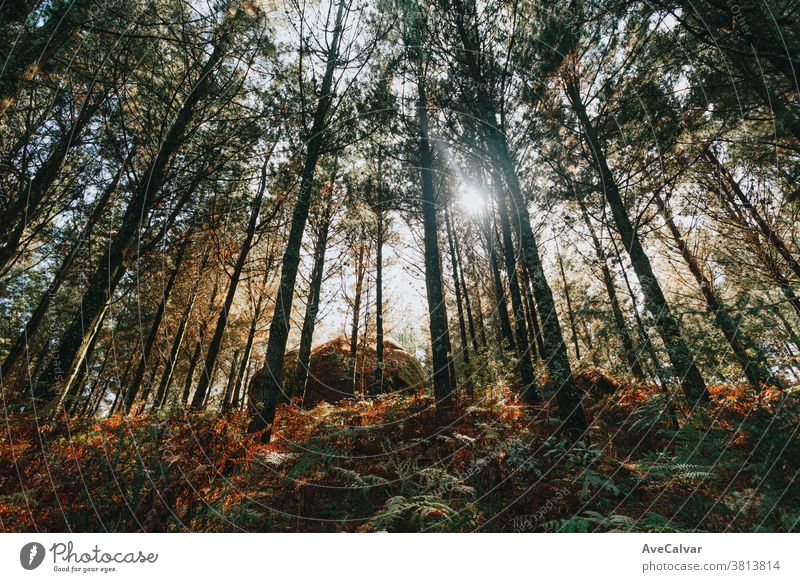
{"points": [[472, 199]]}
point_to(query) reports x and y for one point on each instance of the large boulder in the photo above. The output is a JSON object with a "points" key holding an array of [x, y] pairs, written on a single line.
{"points": [[332, 376]]}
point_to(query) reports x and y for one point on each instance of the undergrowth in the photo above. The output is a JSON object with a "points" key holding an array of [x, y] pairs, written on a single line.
{"points": [[392, 464]]}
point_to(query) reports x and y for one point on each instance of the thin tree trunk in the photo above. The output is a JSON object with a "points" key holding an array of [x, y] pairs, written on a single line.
{"points": [[228, 394], [60, 373], [645, 337], [123, 382], [187, 384], [207, 372], [568, 397], [133, 389], [71, 397], [315, 285], [462, 326], [611, 291], [267, 386], [88, 403], [248, 350], [754, 369], [732, 186], [524, 364], [180, 334], [360, 271], [479, 315], [465, 290], [536, 329], [379, 348], [682, 361], [502, 306], [570, 313]]}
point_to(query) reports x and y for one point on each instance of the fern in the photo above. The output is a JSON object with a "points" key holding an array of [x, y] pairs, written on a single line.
{"points": [[593, 521], [672, 468], [414, 514], [356, 480]]}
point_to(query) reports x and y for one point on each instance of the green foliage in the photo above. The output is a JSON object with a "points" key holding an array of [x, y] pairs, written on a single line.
{"points": [[593, 521]]}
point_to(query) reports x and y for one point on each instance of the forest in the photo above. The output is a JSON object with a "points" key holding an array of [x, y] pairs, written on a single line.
{"points": [[399, 265]]}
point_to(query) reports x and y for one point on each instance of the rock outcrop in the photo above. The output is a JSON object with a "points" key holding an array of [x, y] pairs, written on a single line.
{"points": [[332, 377]]}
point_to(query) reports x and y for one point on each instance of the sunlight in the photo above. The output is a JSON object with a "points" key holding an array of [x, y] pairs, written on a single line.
{"points": [[472, 199]]}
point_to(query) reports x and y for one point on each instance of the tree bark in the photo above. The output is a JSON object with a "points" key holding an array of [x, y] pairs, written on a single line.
{"points": [[360, 271], [133, 389], [616, 310], [207, 372], [437, 313], [379, 219], [524, 364], [315, 285], [267, 386], [754, 369], [682, 361], [60, 373]]}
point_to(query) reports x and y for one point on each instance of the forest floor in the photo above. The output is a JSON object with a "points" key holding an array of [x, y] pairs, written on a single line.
{"points": [[392, 464]]}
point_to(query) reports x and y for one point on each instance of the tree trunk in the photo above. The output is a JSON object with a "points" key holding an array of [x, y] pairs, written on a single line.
{"points": [[193, 361], [133, 389], [533, 317], [437, 313], [379, 351], [60, 373], [467, 302], [462, 326], [682, 361], [248, 350], [360, 271], [568, 397], [733, 190], [754, 369], [479, 316], [611, 291], [570, 313], [228, 394], [315, 285], [267, 386], [207, 372], [524, 364], [502, 307], [180, 334]]}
